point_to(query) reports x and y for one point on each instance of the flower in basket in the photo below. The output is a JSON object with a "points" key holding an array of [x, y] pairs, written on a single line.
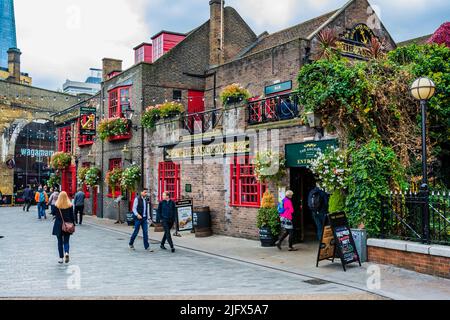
{"points": [[61, 160], [113, 179], [166, 110], [54, 180], [130, 178], [82, 174], [92, 177], [234, 93], [269, 166], [331, 169], [110, 127]]}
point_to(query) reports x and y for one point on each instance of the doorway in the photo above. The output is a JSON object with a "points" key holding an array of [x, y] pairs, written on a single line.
{"points": [[302, 181]]}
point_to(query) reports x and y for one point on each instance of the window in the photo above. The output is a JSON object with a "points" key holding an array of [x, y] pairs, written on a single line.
{"points": [[245, 189], [169, 180], [139, 55], [119, 101], [84, 139], [176, 95], [158, 47], [65, 139], [115, 163]]}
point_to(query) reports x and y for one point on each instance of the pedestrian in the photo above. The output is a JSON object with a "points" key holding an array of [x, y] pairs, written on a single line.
{"points": [[41, 198], [78, 202], [286, 215], [64, 214], [141, 214], [318, 204], [1, 197], [167, 215], [52, 201], [28, 198]]}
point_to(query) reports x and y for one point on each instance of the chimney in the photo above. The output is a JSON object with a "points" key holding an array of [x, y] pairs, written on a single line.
{"points": [[216, 32], [14, 65], [111, 65]]}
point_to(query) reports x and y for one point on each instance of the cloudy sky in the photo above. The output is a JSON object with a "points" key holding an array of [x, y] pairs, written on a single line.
{"points": [[62, 39]]}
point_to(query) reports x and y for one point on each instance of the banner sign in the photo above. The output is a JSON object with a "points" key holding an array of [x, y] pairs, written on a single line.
{"points": [[87, 120], [302, 154], [184, 215]]}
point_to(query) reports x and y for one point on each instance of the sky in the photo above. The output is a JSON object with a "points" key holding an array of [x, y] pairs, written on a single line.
{"points": [[62, 39]]}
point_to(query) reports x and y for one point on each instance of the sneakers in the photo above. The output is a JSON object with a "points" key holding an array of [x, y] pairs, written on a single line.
{"points": [[66, 257], [173, 250], [292, 249], [149, 250], [131, 247], [162, 247], [60, 261]]}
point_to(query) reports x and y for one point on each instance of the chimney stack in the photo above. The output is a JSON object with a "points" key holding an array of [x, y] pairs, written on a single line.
{"points": [[14, 65], [111, 65], [216, 32]]}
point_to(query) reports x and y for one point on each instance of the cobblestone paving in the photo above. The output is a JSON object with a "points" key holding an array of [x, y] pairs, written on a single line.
{"points": [[107, 268]]}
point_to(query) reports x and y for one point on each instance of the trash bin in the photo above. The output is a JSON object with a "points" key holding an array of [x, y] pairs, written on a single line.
{"points": [[360, 238], [202, 222]]}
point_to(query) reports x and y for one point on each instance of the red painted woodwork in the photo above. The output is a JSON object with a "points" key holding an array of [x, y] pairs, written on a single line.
{"points": [[65, 139], [131, 201], [196, 104], [69, 181], [169, 180], [94, 201], [246, 191], [113, 164], [122, 137], [119, 101], [164, 42], [143, 53]]}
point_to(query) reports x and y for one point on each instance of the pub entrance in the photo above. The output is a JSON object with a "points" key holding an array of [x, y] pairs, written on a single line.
{"points": [[302, 181]]}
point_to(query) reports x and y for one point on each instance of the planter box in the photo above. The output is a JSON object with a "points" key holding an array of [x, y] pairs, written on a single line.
{"points": [[360, 237], [120, 137], [266, 237]]}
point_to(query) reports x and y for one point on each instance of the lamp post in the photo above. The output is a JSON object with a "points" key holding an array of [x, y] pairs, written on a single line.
{"points": [[423, 89]]}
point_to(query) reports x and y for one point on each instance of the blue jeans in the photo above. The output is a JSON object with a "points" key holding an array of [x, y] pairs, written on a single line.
{"points": [[318, 219], [63, 244], [137, 225], [41, 209]]}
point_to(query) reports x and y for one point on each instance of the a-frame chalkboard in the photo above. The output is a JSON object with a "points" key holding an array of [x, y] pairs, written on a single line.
{"points": [[337, 240]]}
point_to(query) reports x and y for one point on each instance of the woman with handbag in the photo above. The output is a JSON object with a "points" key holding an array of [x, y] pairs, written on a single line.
{"points": [[64, 225], [286, 221]]}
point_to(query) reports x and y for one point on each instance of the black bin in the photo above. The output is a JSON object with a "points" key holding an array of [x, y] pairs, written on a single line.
{"points": [[202, 222]]}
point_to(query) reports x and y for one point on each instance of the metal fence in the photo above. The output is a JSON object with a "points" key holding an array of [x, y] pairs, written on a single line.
{"points": [[422, 217]]}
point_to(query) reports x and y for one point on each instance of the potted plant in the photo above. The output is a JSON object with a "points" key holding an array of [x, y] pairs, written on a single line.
{"points": [[161, 111], [268, 220], [114, 129], [234, 93], [61, 160]]}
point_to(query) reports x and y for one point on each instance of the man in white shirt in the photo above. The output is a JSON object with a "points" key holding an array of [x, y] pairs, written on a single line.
{"points": [[141, 214]]}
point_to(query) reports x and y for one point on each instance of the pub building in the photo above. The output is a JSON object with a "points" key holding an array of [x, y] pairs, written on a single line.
{"points": [[206, 153]]}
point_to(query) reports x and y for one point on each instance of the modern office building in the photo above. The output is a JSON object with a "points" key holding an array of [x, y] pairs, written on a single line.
{"points": [[90, 86]]}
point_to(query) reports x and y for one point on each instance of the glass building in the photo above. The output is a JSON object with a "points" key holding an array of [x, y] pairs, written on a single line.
{"points": [[7, 31]]}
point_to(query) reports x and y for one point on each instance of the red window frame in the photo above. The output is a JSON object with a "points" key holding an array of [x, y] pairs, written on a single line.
{"points": [[113, 164], [65, 139], [85, 187], [246, 191], [83, 139], [119, 100], [169, 180]]}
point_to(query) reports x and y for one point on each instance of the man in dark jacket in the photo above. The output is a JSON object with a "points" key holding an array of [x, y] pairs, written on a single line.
{"points": [[167, 215], [78, 203], [141, 213], [318, 204], [28, 196]]}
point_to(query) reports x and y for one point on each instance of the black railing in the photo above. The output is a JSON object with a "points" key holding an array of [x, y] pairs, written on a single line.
{"points": [[202, 122], [403, 217], [283, 107]]}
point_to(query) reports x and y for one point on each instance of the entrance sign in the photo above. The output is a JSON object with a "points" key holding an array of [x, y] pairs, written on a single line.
{"points": [[343, 244], [184, 215], [302, 154]]}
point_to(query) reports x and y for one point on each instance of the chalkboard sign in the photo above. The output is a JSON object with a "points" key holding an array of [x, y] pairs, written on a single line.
{"points": [[341, 243], [184, 215]]}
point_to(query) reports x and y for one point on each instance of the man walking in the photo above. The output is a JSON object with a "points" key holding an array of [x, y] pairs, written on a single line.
{"points": [[140, 211], [41, 199], [28, 197], [78, 203], [318, 204], [167, 214]]}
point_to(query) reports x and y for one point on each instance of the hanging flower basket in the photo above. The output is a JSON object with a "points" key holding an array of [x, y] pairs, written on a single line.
{"points": [[54, 180], [61, 160], [130, 178], [270, 166], [161, 111], [92, 177], [113, 179], [234, 93], [114, 127]]}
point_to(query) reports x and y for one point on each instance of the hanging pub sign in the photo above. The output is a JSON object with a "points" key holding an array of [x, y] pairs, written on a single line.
{"points": [[87, 120], [337, 241], [184, 215], [302, 154], [354, 42]]}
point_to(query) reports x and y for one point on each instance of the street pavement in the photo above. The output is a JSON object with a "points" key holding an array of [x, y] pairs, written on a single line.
{"points": [[102, 267]]}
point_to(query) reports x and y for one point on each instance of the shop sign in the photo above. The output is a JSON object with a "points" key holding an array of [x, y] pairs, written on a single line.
{"points": [[87, 116], [354, 42], [199, 149], [36, 153], [302, 154], [184, 215], [279, 87]]}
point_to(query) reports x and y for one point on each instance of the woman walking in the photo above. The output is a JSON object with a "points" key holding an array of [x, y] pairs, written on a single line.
{"points": [[52, 201], [286, 221], [63, 214]]}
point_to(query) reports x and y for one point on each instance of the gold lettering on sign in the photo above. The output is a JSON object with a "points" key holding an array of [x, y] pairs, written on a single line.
{"points": [[209, 150]]}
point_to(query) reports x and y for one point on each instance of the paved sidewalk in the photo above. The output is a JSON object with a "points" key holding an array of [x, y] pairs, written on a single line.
{"points": [[395, 283]]}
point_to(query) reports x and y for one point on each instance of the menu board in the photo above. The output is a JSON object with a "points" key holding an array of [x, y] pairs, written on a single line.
{"points": [[340, 243], [184, 215]]}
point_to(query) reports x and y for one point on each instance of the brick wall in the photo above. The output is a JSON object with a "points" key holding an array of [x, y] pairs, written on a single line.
{"points": [[433, 265]]}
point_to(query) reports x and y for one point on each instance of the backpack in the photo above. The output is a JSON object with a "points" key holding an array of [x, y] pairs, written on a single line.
{"points": [[315, 201], [280, 207], [41, 197]]}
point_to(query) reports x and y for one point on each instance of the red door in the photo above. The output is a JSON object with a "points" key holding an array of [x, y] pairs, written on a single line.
{"points": [[196, 104], [69, 181], [94, 201]]}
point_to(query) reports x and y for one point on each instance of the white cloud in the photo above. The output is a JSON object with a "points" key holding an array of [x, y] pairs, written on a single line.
{"points": [[63, 39]]}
